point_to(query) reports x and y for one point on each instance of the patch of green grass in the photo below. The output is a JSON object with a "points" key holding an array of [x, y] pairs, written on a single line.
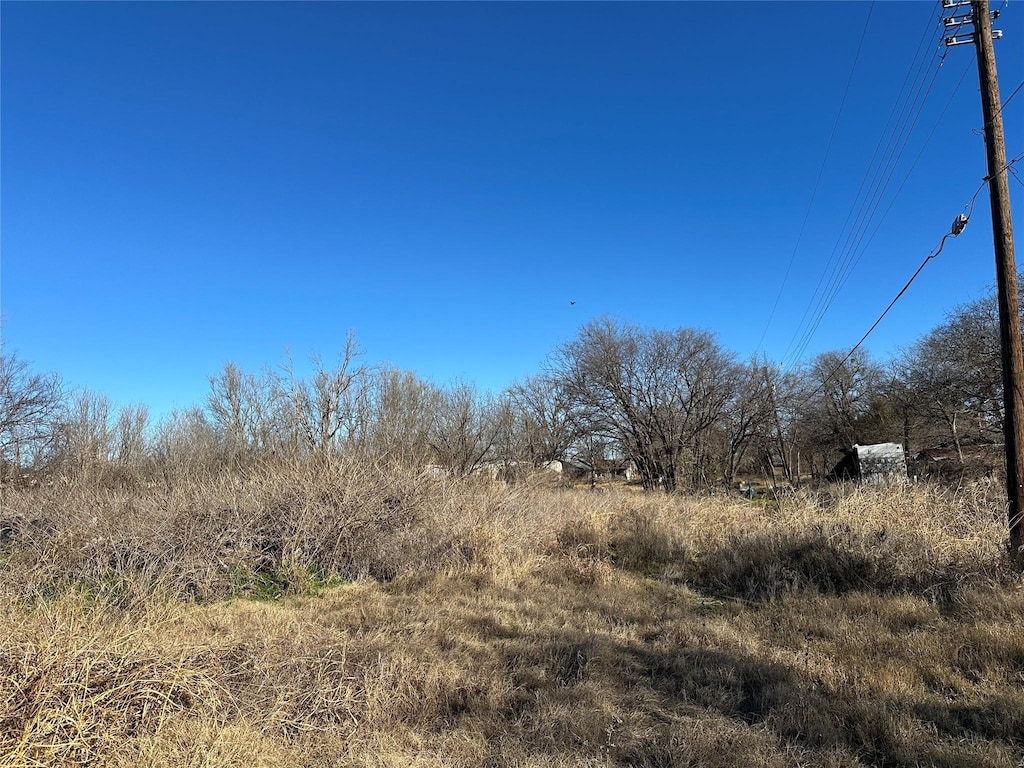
{"points": [[262, 584], [273, 583], [107, 588]]}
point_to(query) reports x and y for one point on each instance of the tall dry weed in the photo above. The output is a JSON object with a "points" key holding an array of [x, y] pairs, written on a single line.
{"points": [[922, 540], [442, 623], [77, 683], [289, 528]]}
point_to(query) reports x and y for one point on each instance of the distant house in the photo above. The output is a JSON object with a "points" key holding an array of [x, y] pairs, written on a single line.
{"points": [[567, 468], [600, 469], [616, 468], [872, 463]]}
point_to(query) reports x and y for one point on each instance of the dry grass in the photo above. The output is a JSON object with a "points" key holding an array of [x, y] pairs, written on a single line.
{"points": [[405, 622]]}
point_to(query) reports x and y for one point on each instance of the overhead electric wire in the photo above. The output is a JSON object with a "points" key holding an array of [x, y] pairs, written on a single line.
{"points": [[917, 158], [1010, 97], [874, 325], [899, 295], [888, 152], [821, 172], [817, 297], [1014, 173], [961, 221], [852, 251], [860, 246], [981, 131], [848, 255], [924, 146]]}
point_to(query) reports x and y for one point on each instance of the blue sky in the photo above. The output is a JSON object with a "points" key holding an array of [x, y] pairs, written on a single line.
{"points": [[186, 184]]}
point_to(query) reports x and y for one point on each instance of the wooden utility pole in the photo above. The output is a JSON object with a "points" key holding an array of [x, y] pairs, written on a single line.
{"points": [[1006, 268]]}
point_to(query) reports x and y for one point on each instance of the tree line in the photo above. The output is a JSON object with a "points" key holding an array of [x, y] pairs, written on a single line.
{"points": [[685, 411]]}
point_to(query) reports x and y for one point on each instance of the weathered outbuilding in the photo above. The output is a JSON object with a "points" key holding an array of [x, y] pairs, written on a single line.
{"points": [[882, 462]]}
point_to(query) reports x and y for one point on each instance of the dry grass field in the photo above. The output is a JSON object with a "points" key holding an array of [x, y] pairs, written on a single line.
{"points": [[350, 617]]}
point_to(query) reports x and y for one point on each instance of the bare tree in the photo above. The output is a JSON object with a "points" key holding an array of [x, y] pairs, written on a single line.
{"points": [[229, 404], [30, 411], [249, 410], [951, 379], [835, 402], [959, 363], [749, 418], [129, 435], [542, 420], [323, 408], [464, 429], [397, 418], [186, 444], [656, 394], [88, 436], [937, 392]]}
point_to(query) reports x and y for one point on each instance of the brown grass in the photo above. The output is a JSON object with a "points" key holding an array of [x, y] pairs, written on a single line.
{"points": [[408, 622]]}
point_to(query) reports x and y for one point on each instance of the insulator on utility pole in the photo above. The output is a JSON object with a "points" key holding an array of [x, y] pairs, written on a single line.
{"points": [[971, 38], [959, 40], [956, 21], [967, 18]]}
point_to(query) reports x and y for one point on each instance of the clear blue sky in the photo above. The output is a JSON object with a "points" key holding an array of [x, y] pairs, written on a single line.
{"points": [[185, 184]]}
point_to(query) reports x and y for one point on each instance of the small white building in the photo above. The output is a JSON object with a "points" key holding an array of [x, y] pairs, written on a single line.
{"points": [[881, 462]]}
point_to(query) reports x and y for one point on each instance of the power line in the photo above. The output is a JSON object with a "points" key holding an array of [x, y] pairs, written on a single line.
{"points": [[888, 152], [821, 171], [852, 249], [1010, 97], [980, 131], [920, 152], [1009, 165], [895, 128], [958, 226], [882, 178], [1014, 173], [959, 223], [863, 244]]}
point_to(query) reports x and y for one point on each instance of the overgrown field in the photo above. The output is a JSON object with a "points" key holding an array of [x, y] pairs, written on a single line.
{"points": [[345, 616]]}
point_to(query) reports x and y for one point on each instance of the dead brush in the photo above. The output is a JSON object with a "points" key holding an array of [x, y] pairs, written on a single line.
{"points": [[480, 624], [262, 530], [502, 532], [919, 539]]}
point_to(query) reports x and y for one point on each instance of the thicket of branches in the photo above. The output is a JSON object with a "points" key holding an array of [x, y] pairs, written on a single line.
{"points": [[685, 411]]}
